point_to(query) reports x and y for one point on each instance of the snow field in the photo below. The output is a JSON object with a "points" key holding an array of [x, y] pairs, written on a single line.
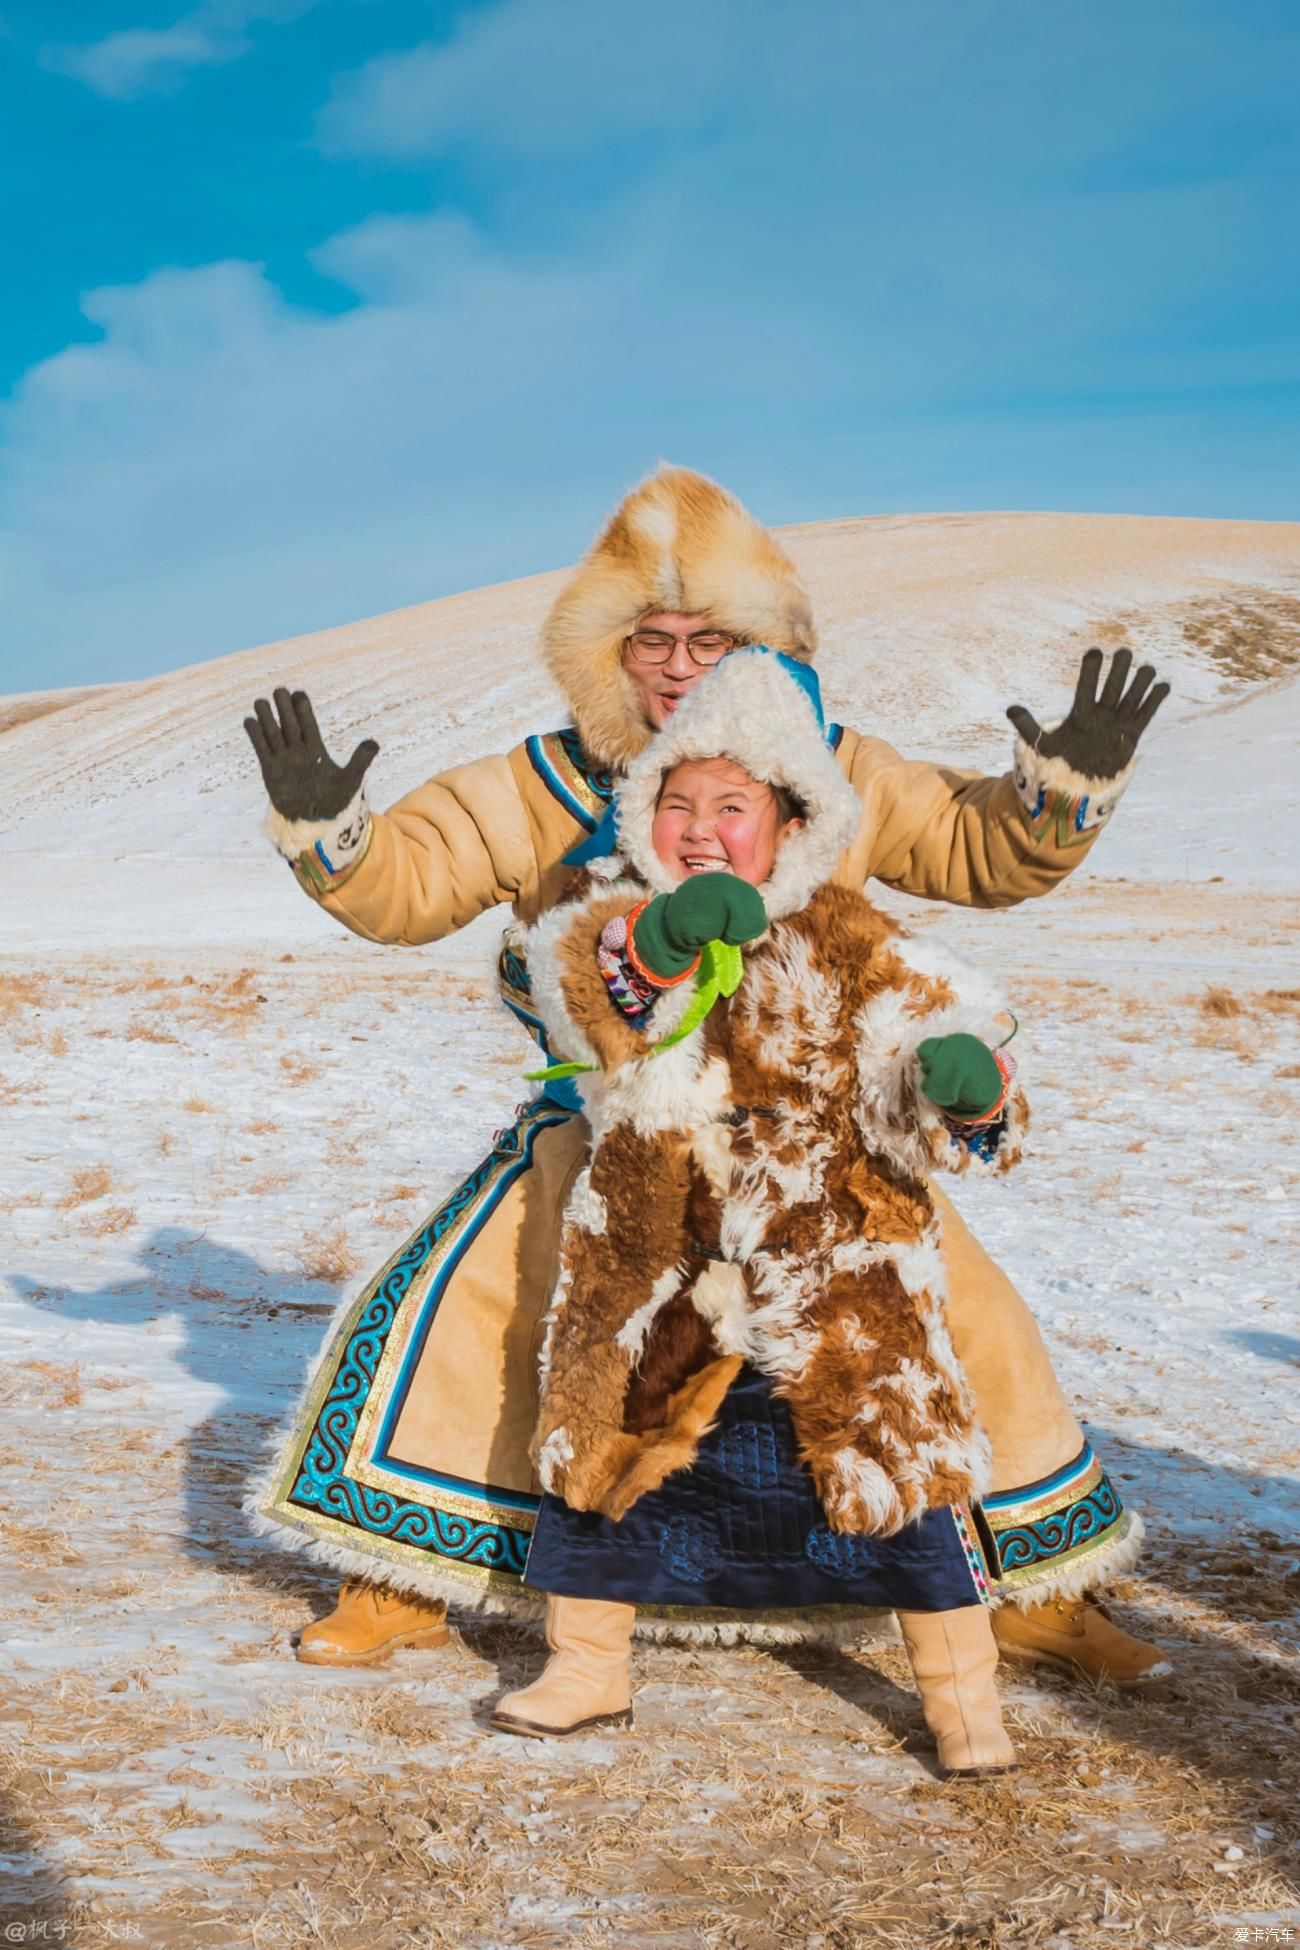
{"points": [[220, 1113]]}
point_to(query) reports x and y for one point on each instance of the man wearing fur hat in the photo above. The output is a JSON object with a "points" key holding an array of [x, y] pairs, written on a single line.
{"points": [[408, 1462]]}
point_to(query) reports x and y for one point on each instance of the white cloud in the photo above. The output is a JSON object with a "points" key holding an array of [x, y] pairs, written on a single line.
{"points": [[532, 77], [145, 60], [224, 468], [868, 278]]}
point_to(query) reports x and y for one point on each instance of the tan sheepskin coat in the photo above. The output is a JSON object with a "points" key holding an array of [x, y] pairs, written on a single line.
{"points": [[492, 832], [787, 1136]]}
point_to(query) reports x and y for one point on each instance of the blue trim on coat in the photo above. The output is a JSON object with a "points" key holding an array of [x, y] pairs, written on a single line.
{"points": [[551, 779], [416, 1345], [1006, 1499]]}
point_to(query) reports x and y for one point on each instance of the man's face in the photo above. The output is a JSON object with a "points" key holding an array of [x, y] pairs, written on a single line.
{"points": [[661, 687]]}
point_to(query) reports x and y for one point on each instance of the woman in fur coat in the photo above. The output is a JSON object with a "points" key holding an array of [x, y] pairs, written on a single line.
{"points": [[749, 1397]]}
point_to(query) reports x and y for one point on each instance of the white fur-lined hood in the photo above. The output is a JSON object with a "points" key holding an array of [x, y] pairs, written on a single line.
{"points": [[756, 711]]}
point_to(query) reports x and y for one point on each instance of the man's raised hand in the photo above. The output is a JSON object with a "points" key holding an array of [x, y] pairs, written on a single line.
{"points": [[1099, 736], [302, 780]]}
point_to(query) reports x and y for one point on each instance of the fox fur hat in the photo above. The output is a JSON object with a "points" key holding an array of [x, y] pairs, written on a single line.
{"points": [[762, 711], [678, 542]]}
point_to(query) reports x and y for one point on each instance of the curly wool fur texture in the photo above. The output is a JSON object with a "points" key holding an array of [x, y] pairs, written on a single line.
{"points": [[780, 1149], [678, 542]]}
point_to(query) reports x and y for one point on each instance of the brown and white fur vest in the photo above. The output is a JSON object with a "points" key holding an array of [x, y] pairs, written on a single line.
{"points": [[758, 1193]]}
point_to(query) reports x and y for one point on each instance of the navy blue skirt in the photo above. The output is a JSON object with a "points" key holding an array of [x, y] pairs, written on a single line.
{"points": [[742, 1529]]}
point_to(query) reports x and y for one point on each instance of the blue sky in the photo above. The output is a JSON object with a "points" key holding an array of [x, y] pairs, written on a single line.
{"points": [[320, 307]]}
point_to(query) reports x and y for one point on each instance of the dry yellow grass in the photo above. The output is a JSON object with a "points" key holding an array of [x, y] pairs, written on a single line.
{"points": [[27, 1542], [326, 1255], [61, 1380], [763, 1801], [1251, 636], [19, 993], [89, 1183], [297, 1069], [149, 1032], [114, 1218]]}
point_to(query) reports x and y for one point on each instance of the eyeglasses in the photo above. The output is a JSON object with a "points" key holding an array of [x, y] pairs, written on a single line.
{"points": [[657, 646]]}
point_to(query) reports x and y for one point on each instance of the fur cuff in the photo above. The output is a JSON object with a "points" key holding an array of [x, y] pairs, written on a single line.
{"points": [[1053, 793], [323, 851], [943, 996]]}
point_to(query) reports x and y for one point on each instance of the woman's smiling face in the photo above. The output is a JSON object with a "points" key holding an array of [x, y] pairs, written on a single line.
{"points": [[712, 817]]}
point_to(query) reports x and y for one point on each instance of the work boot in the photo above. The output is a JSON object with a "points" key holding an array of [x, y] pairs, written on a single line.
{"points": [[585, 1683], [954, 1657], [369, 1622], [1078, 1635]]}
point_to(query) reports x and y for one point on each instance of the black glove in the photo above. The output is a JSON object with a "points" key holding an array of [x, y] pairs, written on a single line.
{"points": [[1100, 735], [302, 780]]}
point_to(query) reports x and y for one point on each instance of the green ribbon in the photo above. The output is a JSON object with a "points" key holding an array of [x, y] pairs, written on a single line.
{"points": [[556, 1070], [719, 973], [721, 967]]}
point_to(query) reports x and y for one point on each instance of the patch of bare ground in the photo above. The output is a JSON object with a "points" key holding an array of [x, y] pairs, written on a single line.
{"points": [[1251, 635], [26, 710]]}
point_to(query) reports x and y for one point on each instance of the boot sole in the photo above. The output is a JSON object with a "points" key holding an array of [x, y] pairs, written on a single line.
{"points": [[977, 1773], [1155, 1682], [534, 1730], [431, 1636]]}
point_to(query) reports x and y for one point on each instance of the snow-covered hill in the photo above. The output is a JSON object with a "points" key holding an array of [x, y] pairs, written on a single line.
{"points": [[144, 798]]}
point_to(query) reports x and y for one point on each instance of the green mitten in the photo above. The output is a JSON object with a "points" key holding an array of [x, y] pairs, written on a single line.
{"points": [[960, 1074], [670, 932]]}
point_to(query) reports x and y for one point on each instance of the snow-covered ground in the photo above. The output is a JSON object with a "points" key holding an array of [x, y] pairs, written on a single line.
{"points": [[219, 1110]]}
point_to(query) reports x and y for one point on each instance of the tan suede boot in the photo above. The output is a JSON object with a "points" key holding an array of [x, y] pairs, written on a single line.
{"points": [[586, 1681], [369, 1622], [954, 1656], [1076, 1635]]}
